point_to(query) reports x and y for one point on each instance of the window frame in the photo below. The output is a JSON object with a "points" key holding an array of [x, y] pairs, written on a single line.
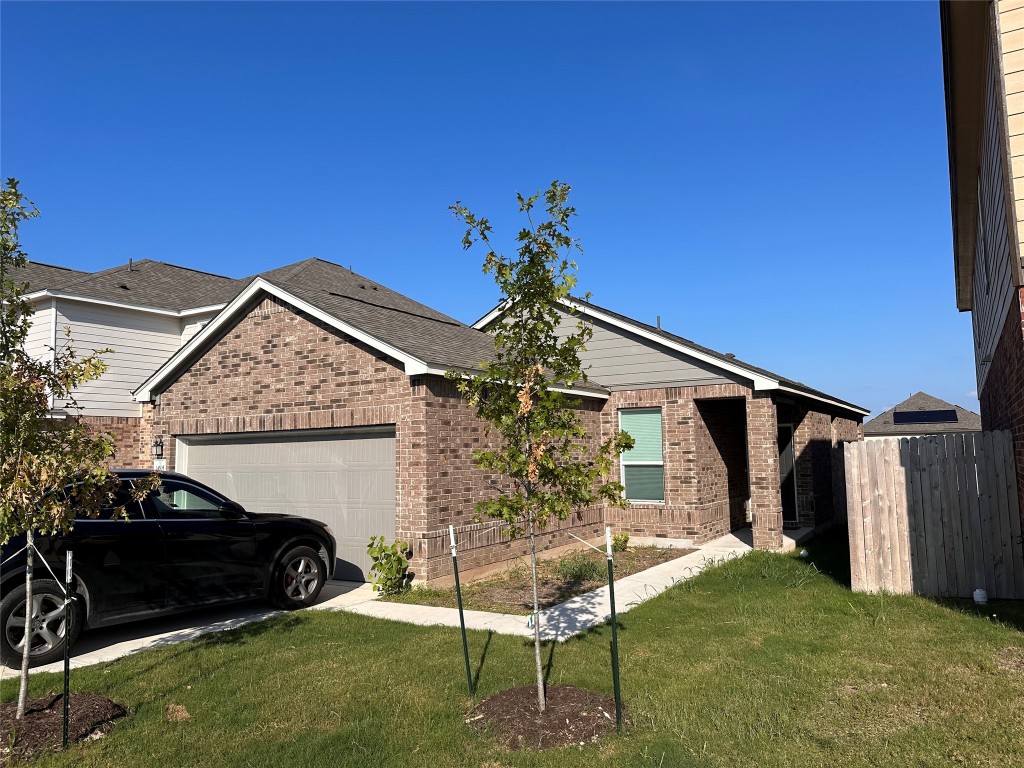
{"points": [[623, 462]]}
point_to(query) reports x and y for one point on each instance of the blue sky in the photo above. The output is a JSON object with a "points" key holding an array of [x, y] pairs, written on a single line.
{"points": [[771, 179]]}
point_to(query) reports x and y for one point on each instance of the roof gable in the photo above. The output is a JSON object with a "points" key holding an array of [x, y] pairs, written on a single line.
{"points": [[420, 338], [760, 378]]}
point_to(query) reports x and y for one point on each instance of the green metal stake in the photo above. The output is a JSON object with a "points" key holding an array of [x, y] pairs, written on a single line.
{"points": [[462, 618], [615, 633], [67, 645]]}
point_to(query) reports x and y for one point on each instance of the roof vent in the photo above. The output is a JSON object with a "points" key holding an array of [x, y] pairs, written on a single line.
{"points": [[730, 355], [123, 285]]}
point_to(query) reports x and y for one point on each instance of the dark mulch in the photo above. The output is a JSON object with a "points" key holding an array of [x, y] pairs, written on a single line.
{"points": [[42, 728], [572, 716]]}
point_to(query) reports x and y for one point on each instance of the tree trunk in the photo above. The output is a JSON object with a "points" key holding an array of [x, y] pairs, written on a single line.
{"points": [[30, 562], [536, 621]]}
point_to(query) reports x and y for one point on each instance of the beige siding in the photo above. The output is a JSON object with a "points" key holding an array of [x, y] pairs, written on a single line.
{"points": [[992, 267], [190, 326], [1009, 26], [619, 360], [141, 342], [40, 334]]}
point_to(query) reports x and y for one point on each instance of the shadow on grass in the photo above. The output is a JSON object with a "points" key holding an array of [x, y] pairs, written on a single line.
{"points": [[829, 554], [483, 659], [1009, 613]]}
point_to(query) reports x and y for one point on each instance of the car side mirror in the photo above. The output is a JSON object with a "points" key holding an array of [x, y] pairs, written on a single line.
{"points": [[232, 510]]}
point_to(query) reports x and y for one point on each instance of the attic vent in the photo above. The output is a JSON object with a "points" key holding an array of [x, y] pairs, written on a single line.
{"points": [[123, 285], [731, 355]]}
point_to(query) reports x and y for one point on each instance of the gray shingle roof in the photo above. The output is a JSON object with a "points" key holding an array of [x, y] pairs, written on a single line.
{"points": [[41, 277], [156, 284], [882, 424], [146, 283], [395, 319]]}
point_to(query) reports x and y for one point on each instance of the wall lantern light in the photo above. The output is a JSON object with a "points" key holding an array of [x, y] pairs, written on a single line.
{"points": [[158, 447]]}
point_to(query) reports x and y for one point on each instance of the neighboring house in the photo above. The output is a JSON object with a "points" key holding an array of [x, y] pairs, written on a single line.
{"points": [[313, 390], [921, 414], [983, 57]]}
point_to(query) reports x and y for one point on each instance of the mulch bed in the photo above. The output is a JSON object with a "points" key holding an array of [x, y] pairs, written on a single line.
{"points": [[42, 728], [573, 716]]}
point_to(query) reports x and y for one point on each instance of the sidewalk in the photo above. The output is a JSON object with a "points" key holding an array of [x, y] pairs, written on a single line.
{"points": [[559, 622]]}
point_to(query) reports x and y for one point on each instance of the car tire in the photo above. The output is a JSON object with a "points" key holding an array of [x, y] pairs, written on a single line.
{"points": [[49, 635], [298, 578]]}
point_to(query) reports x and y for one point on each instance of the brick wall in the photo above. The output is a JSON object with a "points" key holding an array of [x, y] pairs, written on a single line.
{"points": [[687, 452], [454, 485], [279, 370], [132, 449], [1002, 398], [721, 443]]}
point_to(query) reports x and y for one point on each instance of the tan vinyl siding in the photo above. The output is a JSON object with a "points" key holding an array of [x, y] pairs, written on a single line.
{"points": [[190, 326], [993, 282], [141, 343], [618, 360], [1009, 25], [1011, 17], [40, 333]]}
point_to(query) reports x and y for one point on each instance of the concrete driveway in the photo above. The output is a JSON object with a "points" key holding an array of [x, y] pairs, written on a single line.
{"points": [[101, 645]]}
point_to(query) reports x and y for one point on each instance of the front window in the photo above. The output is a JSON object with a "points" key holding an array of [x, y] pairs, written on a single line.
{"points": [[643, 467]]}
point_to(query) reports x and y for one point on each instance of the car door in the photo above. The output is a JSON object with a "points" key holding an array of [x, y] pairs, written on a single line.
{"points": [[210, 549], [119, 556]]}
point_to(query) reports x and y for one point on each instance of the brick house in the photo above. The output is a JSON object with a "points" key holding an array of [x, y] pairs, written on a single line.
{"points": [[983, 58], [310, 389]]}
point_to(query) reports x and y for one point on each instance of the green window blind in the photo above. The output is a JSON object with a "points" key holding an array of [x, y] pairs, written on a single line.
{"points": [[643, 472], [644, 482], [644, 426]]}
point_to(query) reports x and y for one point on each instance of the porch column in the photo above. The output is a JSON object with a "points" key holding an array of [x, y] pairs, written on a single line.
{"points": [[763, 457]]}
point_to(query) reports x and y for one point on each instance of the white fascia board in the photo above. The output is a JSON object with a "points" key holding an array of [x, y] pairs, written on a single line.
{"points": [[484, 321], [826, 400], [202, 310], [123, 305], [413, 366]]}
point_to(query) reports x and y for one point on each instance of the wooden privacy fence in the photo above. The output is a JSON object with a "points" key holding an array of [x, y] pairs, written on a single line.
{"points": [[934, 515]]}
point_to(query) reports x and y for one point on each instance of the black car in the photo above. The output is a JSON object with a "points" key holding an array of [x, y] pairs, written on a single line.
{"points": [[183, 546]]}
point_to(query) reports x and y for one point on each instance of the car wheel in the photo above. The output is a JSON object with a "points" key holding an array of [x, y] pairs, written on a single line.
{"points": [[299, 577], [48, 634]]}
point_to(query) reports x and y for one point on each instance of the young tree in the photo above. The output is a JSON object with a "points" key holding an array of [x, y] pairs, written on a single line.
{"points": [[542, 446], [49, 467]]}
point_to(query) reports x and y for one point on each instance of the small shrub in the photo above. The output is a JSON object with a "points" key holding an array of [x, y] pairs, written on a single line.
{"points": [[390, 570], [578, 566], [620, 541]]}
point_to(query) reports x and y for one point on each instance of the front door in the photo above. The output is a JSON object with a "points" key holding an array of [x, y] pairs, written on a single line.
{"points": [[787, 475]]}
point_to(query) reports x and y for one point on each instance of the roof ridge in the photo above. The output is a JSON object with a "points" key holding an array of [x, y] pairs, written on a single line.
{"points": [[58, 266], [190, 269]]}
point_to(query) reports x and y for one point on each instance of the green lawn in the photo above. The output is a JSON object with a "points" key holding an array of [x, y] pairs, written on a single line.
{"points": [[763, 661]]}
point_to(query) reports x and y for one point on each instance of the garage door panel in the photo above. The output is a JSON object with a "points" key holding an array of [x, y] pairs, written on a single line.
{"points": [[347, 481]]}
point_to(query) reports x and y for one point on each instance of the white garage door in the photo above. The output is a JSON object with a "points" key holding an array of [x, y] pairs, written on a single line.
{"points": [[346, 479]]}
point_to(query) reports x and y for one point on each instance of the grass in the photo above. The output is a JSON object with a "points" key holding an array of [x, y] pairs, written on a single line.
{"points": [[559, 580], [762, 661]]}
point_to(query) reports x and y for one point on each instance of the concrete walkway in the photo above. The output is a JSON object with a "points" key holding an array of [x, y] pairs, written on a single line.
{"points": [[559, 622]]}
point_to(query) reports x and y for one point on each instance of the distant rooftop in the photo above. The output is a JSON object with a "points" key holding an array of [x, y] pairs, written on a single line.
{"points": [[922, 414]]}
